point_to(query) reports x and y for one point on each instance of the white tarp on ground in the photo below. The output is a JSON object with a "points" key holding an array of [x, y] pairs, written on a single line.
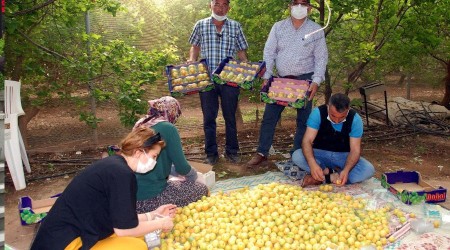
{"points": [[370, 190]]}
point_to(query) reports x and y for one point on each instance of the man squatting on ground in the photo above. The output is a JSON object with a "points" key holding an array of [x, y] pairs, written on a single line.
{"points": [[332, 141]]}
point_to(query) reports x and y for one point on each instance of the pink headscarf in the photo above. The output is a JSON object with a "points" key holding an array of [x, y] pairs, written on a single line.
{"points": [[164, 109]]}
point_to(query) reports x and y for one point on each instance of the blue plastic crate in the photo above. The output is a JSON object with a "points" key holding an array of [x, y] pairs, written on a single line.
{"points": [[238, 74], [188, 79]]}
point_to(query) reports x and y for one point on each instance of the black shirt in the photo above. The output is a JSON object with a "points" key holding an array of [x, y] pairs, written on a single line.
{"points": [[100, 198]]}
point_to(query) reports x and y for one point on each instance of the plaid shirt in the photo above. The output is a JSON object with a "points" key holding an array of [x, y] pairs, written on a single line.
{"points": [[216, 46], [292, 54]]}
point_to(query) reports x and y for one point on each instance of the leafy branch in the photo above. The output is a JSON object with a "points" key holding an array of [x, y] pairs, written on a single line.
{"points": [[35, 8], [49, 51]]}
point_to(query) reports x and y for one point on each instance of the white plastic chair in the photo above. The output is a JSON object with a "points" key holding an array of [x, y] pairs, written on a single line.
{"points": [[12, 151], [15, 152], [13, 103]]}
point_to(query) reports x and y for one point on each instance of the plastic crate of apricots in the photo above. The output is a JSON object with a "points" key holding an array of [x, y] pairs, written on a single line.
{"points": [[286, 92], [186, 79], [237, 74]]}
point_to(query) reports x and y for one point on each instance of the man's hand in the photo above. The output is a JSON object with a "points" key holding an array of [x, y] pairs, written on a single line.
{"points": [[352, 159], [343, 177], [313, 89], [264, 82], [193, 53], [166, 210], [261, 73], [242, 55], [317, 173]]}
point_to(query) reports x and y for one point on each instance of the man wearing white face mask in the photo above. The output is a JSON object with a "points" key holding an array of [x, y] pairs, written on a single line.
{"points": [[333, 142], [216, 38], [295, 57]]}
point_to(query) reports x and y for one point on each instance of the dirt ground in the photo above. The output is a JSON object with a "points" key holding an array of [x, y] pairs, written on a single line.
{"points": [[59, 146]]}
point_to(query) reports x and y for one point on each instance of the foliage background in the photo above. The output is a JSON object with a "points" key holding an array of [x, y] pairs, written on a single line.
{"points": [[130, 42]]}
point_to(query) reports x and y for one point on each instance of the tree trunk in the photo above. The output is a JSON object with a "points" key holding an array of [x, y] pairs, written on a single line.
{"points": [[446, 100], [30, 113], [355, 74], [321, 10], [257, 117], [94, 112], [328, 90], [401, 80], [408, 86], [239, 119], [13, 64]]}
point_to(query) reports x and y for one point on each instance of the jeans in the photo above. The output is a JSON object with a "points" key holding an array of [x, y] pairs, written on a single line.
{"points": [[209, 100], [363, 169], [272, 114]]}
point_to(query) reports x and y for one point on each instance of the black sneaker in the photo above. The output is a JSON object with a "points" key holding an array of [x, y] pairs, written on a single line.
{"points": [[234, 158], [211, 160]]}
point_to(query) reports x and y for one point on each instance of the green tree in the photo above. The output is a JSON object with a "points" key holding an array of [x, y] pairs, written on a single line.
{"points": [[430, 43], [141, 23], [257, 18], [182, 16], [361, 35], [46, 47]]}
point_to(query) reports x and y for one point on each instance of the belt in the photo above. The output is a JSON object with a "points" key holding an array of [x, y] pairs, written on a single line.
{"points": [[296, 77], [290, 77]]}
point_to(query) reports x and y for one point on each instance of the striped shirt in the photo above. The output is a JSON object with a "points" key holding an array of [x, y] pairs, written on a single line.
{"points": [[293, 54], [215, 46]]}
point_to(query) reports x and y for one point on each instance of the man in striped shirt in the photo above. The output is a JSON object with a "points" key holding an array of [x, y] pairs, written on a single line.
{"points": [[298, 52], [216, 38]]}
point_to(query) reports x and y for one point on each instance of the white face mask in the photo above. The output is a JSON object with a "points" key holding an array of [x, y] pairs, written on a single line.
{"points": [[299, 11], [143, 168], [217, 17], [329, 119], [334, 123]]}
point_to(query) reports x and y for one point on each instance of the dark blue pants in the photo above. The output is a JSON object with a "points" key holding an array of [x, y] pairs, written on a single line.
{"points": [[229, 97], [272, 114]]}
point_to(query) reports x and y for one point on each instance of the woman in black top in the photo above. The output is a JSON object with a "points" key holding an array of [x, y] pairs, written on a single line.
{"points": [[97, 210]]}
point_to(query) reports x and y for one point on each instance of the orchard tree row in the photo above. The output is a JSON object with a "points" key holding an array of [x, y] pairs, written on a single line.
{"points": [[114, 49]]}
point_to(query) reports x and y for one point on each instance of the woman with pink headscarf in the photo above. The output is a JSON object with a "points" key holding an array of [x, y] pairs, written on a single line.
{"points": [[154, 187]]}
